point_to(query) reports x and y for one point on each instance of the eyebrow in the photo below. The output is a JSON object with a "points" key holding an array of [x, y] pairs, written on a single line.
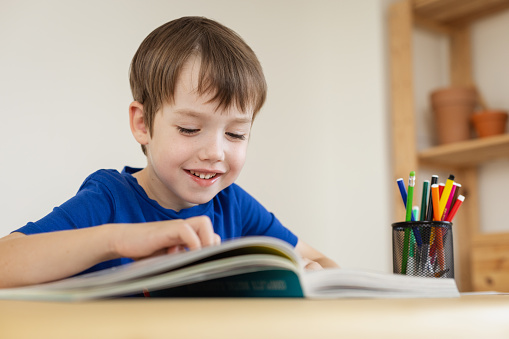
{"points": [[195, 114]]}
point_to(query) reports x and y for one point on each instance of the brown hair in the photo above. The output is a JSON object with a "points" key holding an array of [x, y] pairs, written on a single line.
{"points": [[229, 68]]}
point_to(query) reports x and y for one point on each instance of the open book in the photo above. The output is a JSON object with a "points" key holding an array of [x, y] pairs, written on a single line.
{"points": [[246, 267]]}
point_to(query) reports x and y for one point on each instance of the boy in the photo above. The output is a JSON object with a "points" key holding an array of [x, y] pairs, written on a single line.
{"points": [[197, 88]]}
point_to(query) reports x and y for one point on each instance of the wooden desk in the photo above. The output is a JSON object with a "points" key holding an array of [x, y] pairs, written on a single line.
{"points": [[485, 316]]}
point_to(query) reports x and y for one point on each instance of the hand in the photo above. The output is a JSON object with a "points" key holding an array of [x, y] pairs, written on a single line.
{"points": [[311, 265], [38, 258], [139, 241]]}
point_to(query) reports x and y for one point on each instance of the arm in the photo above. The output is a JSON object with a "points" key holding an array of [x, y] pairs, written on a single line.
{"points": [[313, 258], [38, 258]]}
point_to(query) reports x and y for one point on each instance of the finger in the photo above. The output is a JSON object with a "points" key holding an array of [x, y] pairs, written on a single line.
{"points": [[217, 239], [176, 249], [186, 237], [204, 229], [313, 266]]}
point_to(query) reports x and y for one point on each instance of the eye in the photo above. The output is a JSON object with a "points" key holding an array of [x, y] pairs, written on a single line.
{"points": [[187, 131], [236, 136]]}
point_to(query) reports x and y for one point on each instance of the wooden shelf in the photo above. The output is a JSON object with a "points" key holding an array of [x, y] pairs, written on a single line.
{"points": [[467, 153], [456, 12], [478, 255]]}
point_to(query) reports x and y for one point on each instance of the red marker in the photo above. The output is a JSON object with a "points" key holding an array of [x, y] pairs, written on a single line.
{"points": [[455, 208]]}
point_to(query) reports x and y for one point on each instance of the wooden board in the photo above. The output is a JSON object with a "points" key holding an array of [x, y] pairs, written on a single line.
{"points": [[404, 156], [467, 153], [457, 12], [490, 262]]}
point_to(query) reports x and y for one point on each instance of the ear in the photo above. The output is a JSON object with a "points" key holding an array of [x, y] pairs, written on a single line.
{"points": [[137, 122]]}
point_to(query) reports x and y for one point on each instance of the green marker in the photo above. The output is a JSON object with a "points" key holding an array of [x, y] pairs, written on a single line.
{"points": [[424, 200], [415, 213], [423, 254]]}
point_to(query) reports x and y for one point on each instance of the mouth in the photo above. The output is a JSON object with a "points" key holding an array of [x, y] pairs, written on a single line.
{"points": [[203, 175]]}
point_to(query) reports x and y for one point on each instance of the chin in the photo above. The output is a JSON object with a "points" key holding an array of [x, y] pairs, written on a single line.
{"points": [[202, 199]]}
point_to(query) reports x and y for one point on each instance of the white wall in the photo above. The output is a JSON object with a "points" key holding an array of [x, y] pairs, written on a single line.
{"points": [[491, 72], [318, 155]]}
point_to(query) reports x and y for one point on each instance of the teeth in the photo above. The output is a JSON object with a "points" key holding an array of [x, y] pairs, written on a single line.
{"points": [[203, 175]]}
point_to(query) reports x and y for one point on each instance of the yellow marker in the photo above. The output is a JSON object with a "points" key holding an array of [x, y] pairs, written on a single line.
{"points": [[445, 195]]}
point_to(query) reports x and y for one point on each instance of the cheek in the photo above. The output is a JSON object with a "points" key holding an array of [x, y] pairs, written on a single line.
{"points": [[238, 158], [169, 150]]}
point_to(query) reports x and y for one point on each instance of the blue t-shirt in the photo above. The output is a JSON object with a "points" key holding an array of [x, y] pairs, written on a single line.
{"points": [[108, 196]]}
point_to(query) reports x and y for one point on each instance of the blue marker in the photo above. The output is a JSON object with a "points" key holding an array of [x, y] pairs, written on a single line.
{"points": [[402, 190]]}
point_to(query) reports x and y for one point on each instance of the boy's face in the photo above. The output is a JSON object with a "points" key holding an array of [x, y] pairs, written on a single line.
{"points": [[195, 150]]}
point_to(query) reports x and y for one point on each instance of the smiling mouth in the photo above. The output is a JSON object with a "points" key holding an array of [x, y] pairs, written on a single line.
{"points": [[203, 175]]}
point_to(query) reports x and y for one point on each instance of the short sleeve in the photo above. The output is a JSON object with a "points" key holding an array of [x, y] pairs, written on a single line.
{"points": [[257, 220]]}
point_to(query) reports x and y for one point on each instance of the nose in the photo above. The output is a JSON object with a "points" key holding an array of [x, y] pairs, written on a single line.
{"points": [[212, 149]]}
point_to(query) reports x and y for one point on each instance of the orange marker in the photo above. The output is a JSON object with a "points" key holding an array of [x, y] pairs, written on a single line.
{"points": [[435, 198], [436, 212]]}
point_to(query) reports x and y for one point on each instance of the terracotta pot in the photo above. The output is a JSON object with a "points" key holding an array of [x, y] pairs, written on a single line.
{"points": [[452, 108], [453, 95], [491, 122]]}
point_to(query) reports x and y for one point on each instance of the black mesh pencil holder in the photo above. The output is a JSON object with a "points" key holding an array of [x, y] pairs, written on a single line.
{"points": [[423, 248]]}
